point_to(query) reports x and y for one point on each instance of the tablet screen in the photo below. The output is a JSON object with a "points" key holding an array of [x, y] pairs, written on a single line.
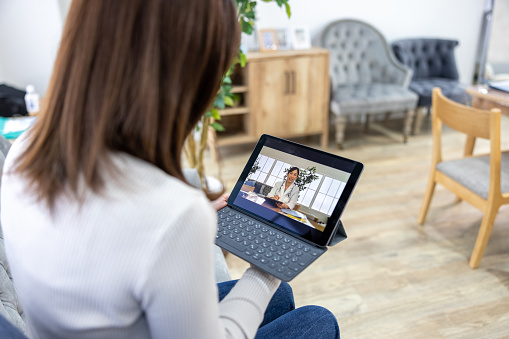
{"points": [[295, 187]]}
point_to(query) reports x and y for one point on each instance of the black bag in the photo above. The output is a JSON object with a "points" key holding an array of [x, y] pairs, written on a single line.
{"points": [[12, 102]]}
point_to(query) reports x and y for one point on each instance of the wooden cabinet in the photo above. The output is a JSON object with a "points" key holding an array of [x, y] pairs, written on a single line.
{"points": [[285, 94]]}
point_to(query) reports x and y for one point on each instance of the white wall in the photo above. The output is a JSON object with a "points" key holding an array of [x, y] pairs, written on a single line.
{"points": [[30, 29], [30, 32], [396, 19]]}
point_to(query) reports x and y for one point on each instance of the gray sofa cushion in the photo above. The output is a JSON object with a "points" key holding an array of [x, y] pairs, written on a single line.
{"points": [[474, 173], [10, 307], [450, 88], [372, 98]]}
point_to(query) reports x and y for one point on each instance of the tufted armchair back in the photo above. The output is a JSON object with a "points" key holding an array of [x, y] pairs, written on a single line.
{"points": [[359, 54], [428, 58]]}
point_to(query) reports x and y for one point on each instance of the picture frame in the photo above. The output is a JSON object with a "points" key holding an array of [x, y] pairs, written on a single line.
{"points": [[301, 38], [284, 39], [267, 40]]}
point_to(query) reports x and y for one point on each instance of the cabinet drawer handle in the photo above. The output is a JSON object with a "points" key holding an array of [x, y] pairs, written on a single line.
{"points": [[293, 82], [287, 83]]}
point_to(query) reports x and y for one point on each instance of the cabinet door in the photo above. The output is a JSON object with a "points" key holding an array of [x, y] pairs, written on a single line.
{"points": [[307, 105], [268, 88]]}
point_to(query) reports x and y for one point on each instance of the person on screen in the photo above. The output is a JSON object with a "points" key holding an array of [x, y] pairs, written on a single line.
{"points": [[105, 238], [286, 191]]}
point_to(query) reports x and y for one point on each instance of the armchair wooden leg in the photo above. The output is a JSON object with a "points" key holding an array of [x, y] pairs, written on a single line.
{"points": [[367, 123], [419, 114], [430, 189], [340, 125], [483, 236], [409, 118]]}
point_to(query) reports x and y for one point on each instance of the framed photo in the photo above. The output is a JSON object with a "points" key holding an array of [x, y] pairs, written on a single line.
{"points": [[284, 39], [267, 40], [301, 38]]}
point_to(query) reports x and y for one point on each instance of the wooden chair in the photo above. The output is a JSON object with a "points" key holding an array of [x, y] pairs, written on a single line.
{"points": [[483, 181]]}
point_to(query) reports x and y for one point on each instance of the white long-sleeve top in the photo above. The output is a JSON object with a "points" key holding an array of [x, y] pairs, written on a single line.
{"points": [[288, 196], [133, 262]]}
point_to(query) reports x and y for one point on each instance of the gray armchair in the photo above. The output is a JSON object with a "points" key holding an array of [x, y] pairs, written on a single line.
{"points": [[365, 76], [434, 65]]}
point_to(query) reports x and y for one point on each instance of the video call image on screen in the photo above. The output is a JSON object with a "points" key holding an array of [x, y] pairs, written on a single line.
{"points": [[295, 188]]}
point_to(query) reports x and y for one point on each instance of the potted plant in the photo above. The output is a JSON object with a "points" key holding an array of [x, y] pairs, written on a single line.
{"points": [[197, 141]]}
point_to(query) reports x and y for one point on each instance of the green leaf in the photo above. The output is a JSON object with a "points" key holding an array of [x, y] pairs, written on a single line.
{"points": [[243, 59], [228, 101], [217, 126], [227, 80], [219, 101], [215, 114], [208, 114], [288, 11]]}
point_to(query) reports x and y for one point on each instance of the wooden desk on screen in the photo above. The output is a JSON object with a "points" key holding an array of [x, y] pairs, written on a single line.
{"points": [[486, 98]]}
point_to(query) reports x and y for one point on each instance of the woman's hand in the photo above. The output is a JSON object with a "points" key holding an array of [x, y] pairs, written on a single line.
{"points": [[276, 197], [220, 202]]}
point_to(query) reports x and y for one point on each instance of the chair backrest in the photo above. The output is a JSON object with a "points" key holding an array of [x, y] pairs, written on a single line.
{"points": [[473, 122], [468, 120], [358, 54], [428, 58]]}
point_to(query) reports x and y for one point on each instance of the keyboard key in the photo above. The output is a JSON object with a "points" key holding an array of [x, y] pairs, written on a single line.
{"points": [[272, 265], [276, 258]]}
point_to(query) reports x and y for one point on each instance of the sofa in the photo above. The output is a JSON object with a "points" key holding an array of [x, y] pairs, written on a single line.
{"points": [[434, 65], [366, 78], [12, 320]]}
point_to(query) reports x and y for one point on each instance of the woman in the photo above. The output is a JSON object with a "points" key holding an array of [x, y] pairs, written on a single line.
{"points": [[104, 236], [286, 191]]}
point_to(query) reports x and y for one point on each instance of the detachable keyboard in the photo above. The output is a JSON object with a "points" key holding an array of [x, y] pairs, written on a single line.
{"points": [[276, 252]]}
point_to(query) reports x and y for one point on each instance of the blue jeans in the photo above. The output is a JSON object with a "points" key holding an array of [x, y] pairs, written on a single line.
{"points": [[282, 320]]}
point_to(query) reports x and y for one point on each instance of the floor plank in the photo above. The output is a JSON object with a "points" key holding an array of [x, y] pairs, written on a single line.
{"points": [[393, 278]]}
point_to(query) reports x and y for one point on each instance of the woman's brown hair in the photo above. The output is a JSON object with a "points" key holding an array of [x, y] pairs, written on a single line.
{"points": [[132, 76]]}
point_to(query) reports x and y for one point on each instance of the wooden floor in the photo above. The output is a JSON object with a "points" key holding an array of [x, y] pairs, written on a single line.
{"points": [[393, 278]]}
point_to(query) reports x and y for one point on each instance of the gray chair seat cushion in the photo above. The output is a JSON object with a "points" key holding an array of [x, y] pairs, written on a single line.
{"points": [[474, 173], [372, 98], [450, 88]]}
